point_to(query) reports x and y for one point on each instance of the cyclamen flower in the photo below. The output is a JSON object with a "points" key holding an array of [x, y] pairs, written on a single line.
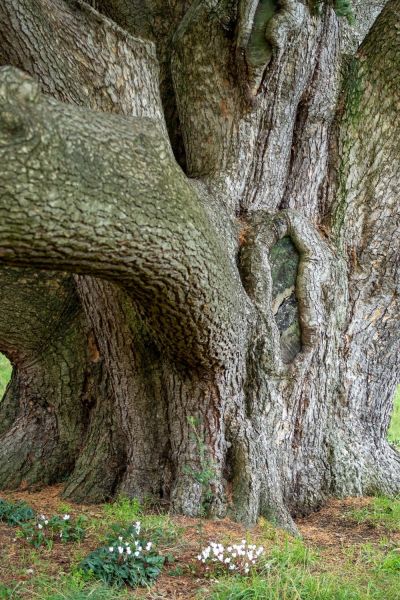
{"points": [[111, 549], [66, 517], [120, 549], [40, 526], [148, 546]]}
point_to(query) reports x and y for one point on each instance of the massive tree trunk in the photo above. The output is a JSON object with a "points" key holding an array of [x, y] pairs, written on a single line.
{"points": [[231, 235]]}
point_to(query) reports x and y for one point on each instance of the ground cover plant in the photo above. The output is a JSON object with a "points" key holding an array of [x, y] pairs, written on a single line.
{"points": [[339, 557], [127, 558], [15, 513], [46, 530]]}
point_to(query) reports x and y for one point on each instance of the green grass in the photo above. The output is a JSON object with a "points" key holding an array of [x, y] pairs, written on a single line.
{"points": [[5, 373], [291, 570], [74, 587], [293, 573], [394, 429], [285, 585], [381, 512], [123, 510]]}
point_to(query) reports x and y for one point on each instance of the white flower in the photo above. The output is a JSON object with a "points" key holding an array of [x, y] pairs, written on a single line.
{"points": [[120, 538], [120, 549], [246, 570], [111, 549], [66, 517], [227, 560], [232, 567], [148, 546], [40, 526], [136, 553], [128, 550], [46, 522], [199, 557], [60, 534], [42, 517]]}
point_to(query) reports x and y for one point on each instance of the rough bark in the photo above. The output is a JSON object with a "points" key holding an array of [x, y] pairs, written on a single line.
{"points": [[44, 412], [238, 293]]}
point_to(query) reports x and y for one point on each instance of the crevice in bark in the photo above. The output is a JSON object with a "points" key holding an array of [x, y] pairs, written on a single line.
{"points": [[157, 21], [284, 260]]}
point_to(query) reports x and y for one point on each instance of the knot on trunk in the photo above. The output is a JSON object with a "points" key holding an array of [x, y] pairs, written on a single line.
{"points": [[289, 271]]}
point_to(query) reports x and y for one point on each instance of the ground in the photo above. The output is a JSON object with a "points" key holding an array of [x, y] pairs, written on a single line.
{"points": [[350, 549]]}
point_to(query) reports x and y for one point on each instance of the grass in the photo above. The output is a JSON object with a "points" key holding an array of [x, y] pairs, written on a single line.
{"points": [[5, 375], [363, 565], [381, 512], [284, 585], [394, 429], [292, 572]]}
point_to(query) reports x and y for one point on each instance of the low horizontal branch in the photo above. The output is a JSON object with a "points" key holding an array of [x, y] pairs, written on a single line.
{"points": [[101, 194]]}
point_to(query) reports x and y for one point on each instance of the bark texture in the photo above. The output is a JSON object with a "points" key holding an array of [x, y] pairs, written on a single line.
{"points": [[253, 293]]}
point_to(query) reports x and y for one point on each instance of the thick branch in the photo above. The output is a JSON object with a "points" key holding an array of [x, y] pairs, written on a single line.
{"points": [[101, 194], [96, 56]]}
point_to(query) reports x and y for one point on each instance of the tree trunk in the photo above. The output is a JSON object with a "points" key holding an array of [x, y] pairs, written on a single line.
{"points": [[238, 322]]}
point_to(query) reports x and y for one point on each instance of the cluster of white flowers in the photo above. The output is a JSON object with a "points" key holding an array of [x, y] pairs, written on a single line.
{"points": [[43, 520], [133, 548], [238, 557]]}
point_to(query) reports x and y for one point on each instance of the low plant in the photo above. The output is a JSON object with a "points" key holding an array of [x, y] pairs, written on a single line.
{"points": [[159, 528], [239, 558], [123, 509], [6, 592], [292, 553], [15, 513], [73, 587], [287, 585], [381, 512], [44, 531], [126, 560]]}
